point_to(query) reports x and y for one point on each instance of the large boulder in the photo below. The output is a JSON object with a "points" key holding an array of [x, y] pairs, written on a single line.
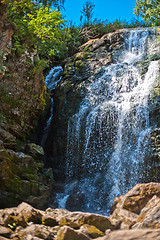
{"points": [[135, 234], [76, 219], [139, 208], [67, 233]]}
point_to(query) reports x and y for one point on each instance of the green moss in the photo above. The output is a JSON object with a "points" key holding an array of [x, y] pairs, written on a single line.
{"points": [[80, 65], [154, 57]]}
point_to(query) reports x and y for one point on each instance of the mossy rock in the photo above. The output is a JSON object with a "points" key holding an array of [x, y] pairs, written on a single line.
{"points": [[92, 231], [34, 150]]}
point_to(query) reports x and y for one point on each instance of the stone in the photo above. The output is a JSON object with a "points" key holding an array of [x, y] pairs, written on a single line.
{"points": [[67, 233], [150, 215], [91, 231], [34, 150], [5, 232], [9, 141], [138, 196], [20, 216], [77, 219], [37, 230], [134, 234], [132, 209]]}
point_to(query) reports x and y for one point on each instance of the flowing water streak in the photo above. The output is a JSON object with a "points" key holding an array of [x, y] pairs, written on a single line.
{"points": [[51, 81], [107, 138]]}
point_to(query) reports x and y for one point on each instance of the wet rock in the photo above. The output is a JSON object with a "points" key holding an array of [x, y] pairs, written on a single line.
{"points": [[76, 200]]}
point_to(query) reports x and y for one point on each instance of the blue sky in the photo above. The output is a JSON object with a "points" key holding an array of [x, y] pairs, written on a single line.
{"points": [[104, 9]]}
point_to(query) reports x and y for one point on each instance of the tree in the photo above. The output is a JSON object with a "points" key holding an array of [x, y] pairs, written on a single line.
{"points": [[36, 25], [149, 10], [56, 3], [87, 11]]}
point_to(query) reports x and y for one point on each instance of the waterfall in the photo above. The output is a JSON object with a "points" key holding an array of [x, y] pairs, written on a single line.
{"points": [[53, 77], [51, 81], [108, 138]]}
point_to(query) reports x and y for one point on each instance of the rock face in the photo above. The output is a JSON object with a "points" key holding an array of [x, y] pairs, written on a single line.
{"points": [[79, 70], [22, 101], [135, 215]]}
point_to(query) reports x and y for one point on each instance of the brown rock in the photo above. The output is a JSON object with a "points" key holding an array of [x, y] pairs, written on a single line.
{"points": [[36, 230], [5, 232], [67, 233], [150, 215], [135, 234], [8, 139], [20, 216], [77, 219], [138, 196], [91, 231], [126, 209]]}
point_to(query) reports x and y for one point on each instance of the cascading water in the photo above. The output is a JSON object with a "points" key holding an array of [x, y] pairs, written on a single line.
{"points": [[108, 137], [53, 77], [51, 81]]}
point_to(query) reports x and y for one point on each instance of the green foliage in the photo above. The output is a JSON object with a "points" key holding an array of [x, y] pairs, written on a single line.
{"points": [[45, 24], [149, 10], [154, 57], [36, 25], [98, 28], [40, 65]]}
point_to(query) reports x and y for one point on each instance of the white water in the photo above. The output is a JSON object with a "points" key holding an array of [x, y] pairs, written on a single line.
{"points": [[51, 81], [53, 77], [108, 137]]}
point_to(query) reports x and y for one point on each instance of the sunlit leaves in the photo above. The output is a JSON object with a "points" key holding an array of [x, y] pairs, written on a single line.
{"points": [[36, 25], [46, 24], [149, 10]]}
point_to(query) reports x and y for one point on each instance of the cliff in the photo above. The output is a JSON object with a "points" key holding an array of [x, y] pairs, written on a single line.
{"points": [[83, 70], [22, 101]]}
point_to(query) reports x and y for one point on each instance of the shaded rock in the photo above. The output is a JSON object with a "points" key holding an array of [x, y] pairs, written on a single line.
{"points": [[34, 150], [150, 215], [4, 238], [49, 221], [67, 233], [9, 141], [76, 199], [20, 216], [20, 179]]}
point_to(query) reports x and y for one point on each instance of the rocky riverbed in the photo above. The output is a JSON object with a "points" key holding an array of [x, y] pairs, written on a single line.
{"points": [[135, 215]]}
